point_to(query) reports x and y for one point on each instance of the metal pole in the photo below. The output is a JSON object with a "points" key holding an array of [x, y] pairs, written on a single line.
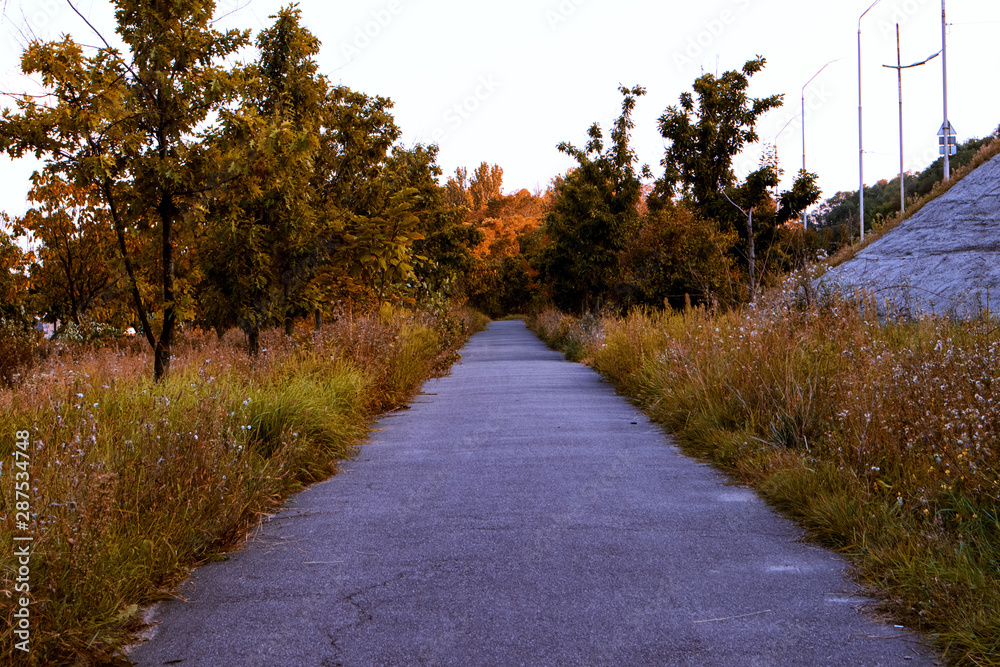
{"points": [[805, 220], [899, 75], [899, 67], [803, 116], [944, 67], [861, 148]]}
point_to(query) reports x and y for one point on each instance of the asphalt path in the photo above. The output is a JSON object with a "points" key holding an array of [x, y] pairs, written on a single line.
{"points": [[519, 512]]}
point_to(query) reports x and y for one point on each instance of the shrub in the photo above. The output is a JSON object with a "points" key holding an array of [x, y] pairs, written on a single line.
{"points": [[17, 351]]}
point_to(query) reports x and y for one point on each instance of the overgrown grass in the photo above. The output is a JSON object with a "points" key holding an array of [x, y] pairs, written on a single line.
{"points": [[879, 437], [133, 482]]}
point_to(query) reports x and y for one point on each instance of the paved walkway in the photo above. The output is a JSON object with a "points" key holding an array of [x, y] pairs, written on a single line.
{"points": [[520, 513]]}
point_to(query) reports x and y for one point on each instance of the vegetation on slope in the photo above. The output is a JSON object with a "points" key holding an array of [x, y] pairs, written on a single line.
{"points": [[879, 437]]}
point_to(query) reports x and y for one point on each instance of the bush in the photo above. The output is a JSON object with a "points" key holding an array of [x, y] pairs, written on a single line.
{"points": [[17, 351]]}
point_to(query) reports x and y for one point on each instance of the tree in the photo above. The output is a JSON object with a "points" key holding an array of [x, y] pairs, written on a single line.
{"points": [[444, 251], [457, 189], [486, 185], [596, 208], [705, 138], [674, 256], [75, 269], [262, 248], [13, 278], [131, 125], [752, 193]]}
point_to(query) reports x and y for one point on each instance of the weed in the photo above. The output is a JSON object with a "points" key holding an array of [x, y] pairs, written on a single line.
{"points": [[133, 482], [878, 435]]}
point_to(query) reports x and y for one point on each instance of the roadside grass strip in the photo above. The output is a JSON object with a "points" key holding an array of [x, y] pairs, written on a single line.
{"points": [[877, 434]]}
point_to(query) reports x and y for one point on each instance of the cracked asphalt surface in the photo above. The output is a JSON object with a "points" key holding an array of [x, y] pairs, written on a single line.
{"points": [[521, 513]]}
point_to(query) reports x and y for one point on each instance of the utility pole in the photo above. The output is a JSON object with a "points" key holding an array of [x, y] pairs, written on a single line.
{"points": [[899, 67], [946, 127], [805, 219], [861, 148]]}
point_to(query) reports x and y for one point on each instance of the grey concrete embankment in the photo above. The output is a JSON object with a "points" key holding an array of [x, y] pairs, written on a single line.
{"points": [[521, 513], [944, 260]]}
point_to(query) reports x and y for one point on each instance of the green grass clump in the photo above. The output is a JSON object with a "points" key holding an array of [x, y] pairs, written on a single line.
{"points": [[880, 437], [133, 482]]}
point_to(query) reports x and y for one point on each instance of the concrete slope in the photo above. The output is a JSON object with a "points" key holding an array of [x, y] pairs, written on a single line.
{"points": [[945, 259], [521, 513]]}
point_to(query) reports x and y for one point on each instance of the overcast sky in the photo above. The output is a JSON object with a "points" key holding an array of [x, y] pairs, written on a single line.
{"points": [[504, 82]]}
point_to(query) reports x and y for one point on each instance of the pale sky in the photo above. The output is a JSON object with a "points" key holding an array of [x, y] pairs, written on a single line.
{"points": [[505, 82]]}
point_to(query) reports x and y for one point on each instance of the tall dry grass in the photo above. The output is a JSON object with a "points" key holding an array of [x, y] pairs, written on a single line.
{"points": [[880, 436], [133, 482]]}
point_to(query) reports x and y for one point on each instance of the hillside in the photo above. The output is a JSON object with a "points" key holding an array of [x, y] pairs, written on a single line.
{"points": [[945, 259]]}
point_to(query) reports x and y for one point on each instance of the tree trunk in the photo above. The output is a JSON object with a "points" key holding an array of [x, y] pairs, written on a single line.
{"points": [[319, 319], [140, 309], [253, 341], [161, 362], [751, 257]]}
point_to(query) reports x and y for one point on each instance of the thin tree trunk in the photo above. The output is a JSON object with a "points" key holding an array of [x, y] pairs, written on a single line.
{"points": [[289, 322], [164, 346], [253, 340], [140, 310], [751, 257]]}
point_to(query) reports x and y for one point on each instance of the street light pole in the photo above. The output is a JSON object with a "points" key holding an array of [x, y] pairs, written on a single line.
{"points": [[946, 127], [861, 148], [899, 82], [803, 116], [899, 67]]}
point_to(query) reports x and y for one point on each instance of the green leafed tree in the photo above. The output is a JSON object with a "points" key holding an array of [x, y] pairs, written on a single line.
{"points": [[130, 122], [596, 209], [706, 132], [262, 245]]}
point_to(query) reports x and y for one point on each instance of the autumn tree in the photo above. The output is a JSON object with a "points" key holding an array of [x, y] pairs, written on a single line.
{"points": [[131, 123], [13, 275], [596, 208], [75, 269], [485, 185], [262, 245], [456, 189]]}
